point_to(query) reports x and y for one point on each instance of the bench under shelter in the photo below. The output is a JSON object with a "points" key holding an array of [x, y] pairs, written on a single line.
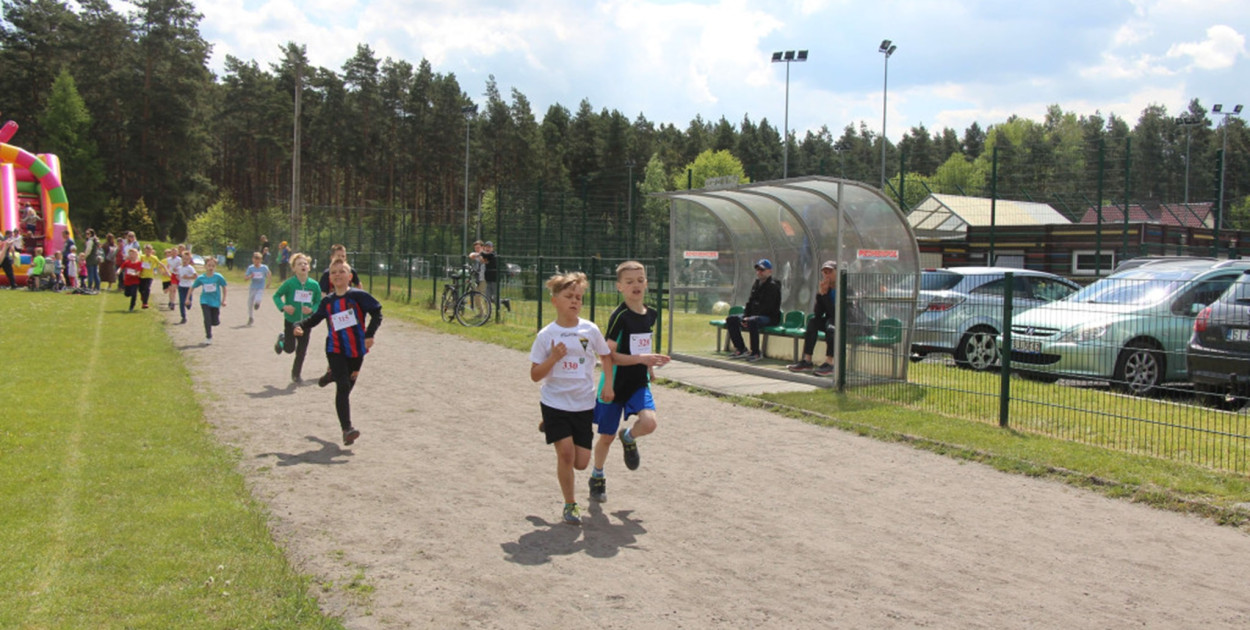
{"points": [[718, 234]]}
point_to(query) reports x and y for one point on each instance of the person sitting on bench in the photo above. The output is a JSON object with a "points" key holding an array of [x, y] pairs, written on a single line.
{"points": [[763, 309]]}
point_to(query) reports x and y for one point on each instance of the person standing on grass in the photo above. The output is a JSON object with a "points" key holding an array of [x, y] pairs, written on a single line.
{"points": [[822, 320], [763, 309], [130, 270], [186, 278], [230, 249], [629, 337], [348, 338], [7, 247], [258, 274], [151, 266], [212, 296], [563, 360], [296, 298], [108, 264], [93, 255]]}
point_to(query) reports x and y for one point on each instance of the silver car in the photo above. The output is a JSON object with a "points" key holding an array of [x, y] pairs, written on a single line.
{"points": [[962, 309], [1130, 328]]}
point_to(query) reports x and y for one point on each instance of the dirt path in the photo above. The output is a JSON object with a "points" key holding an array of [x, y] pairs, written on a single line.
{"points": [[448, 509]]}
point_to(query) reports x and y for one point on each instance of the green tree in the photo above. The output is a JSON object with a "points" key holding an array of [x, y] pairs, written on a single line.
{"points": [[712, 164], [66, 127], [959, 175]]}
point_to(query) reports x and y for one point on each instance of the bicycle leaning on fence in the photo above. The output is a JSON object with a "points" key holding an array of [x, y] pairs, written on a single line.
{"points": [[462, 302]]}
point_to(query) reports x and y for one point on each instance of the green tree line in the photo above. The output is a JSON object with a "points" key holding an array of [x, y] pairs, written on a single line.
{"points": [[144, 126]]}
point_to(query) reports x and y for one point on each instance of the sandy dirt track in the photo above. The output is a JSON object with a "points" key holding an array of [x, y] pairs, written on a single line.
{"points": [[448, 508]]}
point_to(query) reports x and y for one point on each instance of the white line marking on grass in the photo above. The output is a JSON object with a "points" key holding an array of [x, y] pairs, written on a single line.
{"points": [[62, 515]]}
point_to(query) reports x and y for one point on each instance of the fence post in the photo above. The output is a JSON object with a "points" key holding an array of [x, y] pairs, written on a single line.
{"points": [[594, 279], [839, 330], [539, 278], [408, 262], [659, 305], [1004, 353]]}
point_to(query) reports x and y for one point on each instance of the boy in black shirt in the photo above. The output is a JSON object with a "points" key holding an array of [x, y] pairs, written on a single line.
{"points": [[629, 336]]}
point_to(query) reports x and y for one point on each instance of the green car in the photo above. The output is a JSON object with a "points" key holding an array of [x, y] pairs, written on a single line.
{"points": [[1130, 328]]}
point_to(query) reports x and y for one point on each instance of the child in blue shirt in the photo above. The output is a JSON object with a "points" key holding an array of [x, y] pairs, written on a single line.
{"points": [[212, 296], [258, 274]]}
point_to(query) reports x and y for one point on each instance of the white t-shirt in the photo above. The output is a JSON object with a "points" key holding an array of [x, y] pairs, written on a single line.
{"points": [[570, 386], [186, 275]]}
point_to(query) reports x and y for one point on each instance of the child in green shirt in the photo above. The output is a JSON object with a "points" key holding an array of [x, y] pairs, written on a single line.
{"points": [[297, 297]]}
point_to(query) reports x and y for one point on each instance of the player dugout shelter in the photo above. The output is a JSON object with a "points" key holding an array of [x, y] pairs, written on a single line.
{"points": [[718, 234]]}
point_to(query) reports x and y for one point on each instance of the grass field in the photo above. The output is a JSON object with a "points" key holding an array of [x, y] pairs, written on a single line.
{"points": [[120, 511]]}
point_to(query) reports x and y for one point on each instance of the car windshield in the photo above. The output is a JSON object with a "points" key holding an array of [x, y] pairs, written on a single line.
{"points": [[938, 280], [1136, 287]]}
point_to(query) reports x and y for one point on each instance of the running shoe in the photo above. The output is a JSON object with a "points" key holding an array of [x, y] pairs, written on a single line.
{"points": [[598, 489], [349, 436], [739, 354], [277, 347], [801, 366], [296, 379], [753, 357], [325, 379], [632, 458], [256, 306], [572, 514], [145, 306], [825, 369], [208, 341]]}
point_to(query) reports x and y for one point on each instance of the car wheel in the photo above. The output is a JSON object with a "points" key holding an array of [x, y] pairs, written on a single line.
{"points": [[1139, 370], [978, 349]]}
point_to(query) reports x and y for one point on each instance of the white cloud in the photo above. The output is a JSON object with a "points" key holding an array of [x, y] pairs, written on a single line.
{"points": [[1219, 50], [1115, 67]]}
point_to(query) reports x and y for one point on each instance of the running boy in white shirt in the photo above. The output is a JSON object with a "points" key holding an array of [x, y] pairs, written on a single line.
{"points": [[563, 360]]}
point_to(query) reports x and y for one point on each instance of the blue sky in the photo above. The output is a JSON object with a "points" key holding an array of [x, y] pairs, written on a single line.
{"points": [[957, 61]]}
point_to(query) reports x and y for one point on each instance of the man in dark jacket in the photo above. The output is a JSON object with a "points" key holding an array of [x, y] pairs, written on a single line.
{"points": [[763, 309]]}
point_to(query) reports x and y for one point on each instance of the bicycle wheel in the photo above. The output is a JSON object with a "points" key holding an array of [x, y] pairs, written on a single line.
{"points": [[448, 305], [473, 309]]}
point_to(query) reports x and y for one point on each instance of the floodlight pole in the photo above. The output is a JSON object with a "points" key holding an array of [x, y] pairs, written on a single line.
{"points": [[887, 48], [629, 203], [787, 57], [1188, 122], [1219, 208], [469, 111]]}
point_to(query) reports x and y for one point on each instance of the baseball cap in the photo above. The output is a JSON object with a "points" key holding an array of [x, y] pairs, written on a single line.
{"points": [[489, 243], [829, 264], [764, 263]]}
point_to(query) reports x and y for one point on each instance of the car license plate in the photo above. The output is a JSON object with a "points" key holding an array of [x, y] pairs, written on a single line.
{"points": [[1238, 334], [1031, 347]]}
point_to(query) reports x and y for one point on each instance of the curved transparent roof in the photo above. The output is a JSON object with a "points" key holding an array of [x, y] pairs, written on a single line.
{"points": [[719, 235]]}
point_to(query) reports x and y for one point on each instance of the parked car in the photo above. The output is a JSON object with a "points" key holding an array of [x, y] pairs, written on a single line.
{"points": [[962, 309], [1130, 328], [1140, 261], [1218, 356]]}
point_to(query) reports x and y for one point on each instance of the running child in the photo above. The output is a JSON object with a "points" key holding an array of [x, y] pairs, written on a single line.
{"points": [[629, 336], [258, 273], [348, 339], [151, 265], [130, 270], [563, 360], [170, 283], [212, 297], [186, 277], [296, 298], [337, 252]]}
